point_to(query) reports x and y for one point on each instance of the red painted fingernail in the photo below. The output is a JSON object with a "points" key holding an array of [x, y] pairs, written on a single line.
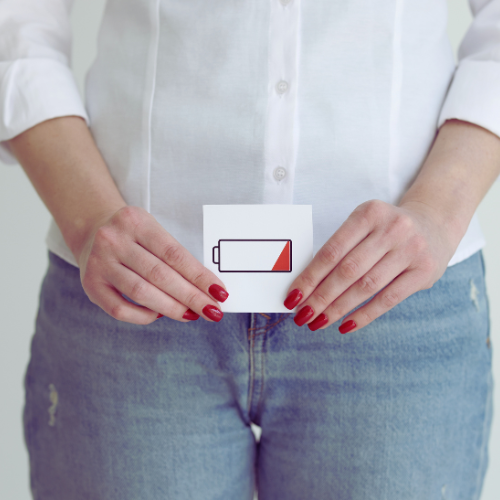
{"points": [[213, 312], [159, 316], [303, 315], [190, 315], [347, 326], [293, 298], [218, 293], [320, 321]]}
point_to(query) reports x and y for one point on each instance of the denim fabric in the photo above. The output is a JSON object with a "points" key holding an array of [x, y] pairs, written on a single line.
{"points": [[400, 410]]}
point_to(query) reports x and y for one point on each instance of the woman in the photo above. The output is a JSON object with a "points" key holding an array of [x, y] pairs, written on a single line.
{"points": [[193, 103]]}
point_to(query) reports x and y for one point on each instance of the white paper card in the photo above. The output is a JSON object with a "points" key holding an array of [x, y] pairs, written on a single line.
{"points": [[257, 251]]}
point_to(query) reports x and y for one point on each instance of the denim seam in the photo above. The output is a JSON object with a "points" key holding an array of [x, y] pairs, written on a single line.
{"points": [[485, 292], [489, 400], [250, 382], [484, 445], [251, 337], [262, 366]]}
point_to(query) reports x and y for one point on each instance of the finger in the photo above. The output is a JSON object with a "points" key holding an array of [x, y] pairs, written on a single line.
{"points": [[349, 270], [354, 230], [386, 270], [139, 290], [402, 287], [167, 280], [111, 301], [164, 246]]}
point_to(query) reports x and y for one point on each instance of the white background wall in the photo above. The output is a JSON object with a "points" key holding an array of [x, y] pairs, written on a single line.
{"points": [[23, 259]]}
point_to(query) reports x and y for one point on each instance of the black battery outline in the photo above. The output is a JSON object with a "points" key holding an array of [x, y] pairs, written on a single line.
{"points": [[246, 271]]}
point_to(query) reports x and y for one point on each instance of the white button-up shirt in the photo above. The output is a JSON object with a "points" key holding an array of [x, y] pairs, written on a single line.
{"points": [[193, 102]]}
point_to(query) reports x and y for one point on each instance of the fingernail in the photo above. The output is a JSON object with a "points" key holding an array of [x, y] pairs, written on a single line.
{"points": [[293, 298], [213, 312], [190, 315], [320, 321], [218, 293], [347, 326], [304, 315], [159, 316]]}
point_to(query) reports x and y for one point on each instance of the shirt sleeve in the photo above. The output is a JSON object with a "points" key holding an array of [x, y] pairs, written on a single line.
{"points": [[474, 92], [36, 82]]}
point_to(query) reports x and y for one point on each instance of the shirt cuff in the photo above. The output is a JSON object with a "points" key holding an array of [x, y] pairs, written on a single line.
{"points": [[32, 91], [474, 95]]}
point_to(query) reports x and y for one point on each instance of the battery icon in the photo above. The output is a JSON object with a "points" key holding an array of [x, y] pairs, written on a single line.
{"points": [[253, 256]]}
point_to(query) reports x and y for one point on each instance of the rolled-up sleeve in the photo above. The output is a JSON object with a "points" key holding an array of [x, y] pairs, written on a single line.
{"points": [[474, 92], [36, 82]]}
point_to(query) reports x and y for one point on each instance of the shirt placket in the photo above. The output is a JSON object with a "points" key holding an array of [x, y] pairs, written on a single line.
{"points": [[281, 121]]}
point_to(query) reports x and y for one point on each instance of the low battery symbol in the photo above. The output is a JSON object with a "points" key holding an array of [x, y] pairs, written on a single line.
{"points": [[253, 256]]}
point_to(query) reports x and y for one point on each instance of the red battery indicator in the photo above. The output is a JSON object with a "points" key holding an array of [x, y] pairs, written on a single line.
{"points": [[253, 256]]}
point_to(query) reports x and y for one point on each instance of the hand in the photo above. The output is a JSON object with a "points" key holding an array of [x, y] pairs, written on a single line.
{"points": [[380, 249], [129, 252]]}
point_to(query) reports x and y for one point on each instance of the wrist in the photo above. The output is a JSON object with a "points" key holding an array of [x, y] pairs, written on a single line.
{"points": [[463, 162], [79, 233], [452, 219], [62, 161]]}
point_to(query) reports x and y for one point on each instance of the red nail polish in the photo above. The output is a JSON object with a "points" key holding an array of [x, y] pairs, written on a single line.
{"points": [[213, 312], [159, 316], [293, 298], [190, 315], [347, 326], [304, 315], [218, 293], [320, 321]]}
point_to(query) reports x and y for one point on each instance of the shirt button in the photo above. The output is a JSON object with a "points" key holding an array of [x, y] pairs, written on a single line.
{"points": [[285, 2], [279, 173], [281, 87]]}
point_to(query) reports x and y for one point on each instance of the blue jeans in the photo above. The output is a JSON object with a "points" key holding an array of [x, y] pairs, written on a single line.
{"points": [[400, 410]]}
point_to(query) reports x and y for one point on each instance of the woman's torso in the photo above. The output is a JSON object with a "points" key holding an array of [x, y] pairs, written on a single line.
{"points": [[325, 103]]}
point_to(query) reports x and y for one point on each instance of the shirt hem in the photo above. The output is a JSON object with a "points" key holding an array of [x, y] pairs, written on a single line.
{"points": [[467, 252], [61, 251]]}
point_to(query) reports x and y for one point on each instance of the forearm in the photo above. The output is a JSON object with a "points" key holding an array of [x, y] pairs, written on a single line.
{"points": [[68, 172], [463, 163]]}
